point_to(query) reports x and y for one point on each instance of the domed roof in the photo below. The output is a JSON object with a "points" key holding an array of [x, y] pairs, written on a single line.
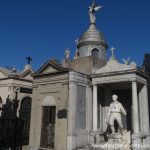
{"points": [[92, 36]]}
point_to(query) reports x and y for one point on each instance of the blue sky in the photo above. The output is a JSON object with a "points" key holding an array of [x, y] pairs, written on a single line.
{"points": [[43, 29]]}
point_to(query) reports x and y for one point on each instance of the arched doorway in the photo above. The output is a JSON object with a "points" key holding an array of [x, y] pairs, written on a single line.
{"points": [[48, 122], [25, 115]]}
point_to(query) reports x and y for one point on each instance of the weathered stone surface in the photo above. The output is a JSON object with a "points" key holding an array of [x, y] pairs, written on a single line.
{"points": [[85, 64]]}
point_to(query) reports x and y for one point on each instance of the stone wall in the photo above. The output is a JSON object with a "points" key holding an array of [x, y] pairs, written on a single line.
{"points": [[56, 86], [80, 110], [85, 64], [8, 86]]}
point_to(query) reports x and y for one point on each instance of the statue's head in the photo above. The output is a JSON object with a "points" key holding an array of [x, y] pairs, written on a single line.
{"points": [[114, 97]]}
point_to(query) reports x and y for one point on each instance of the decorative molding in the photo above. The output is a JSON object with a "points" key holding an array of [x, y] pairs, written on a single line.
{"points": [[113, 66]]}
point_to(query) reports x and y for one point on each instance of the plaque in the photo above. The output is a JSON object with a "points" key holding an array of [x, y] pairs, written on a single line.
{"points": [[25, 90], [62, 114]]}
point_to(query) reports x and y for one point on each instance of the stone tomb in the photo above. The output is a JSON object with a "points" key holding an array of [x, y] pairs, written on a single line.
{"points": [[130, 84]]}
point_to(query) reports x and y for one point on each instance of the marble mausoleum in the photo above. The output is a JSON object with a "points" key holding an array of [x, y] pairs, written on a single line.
{"points": [[71, 100]]}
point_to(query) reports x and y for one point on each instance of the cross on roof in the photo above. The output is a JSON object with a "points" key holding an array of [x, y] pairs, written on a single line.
{"points": [[112, 50], [29, 59]]}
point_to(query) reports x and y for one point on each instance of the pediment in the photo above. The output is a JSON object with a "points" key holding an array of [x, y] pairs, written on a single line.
{"points": [[50, 67], [27, 74], [114, 66], [2, 75], [4, 72]]}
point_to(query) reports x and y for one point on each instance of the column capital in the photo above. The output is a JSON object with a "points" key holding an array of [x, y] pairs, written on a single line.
{"points": [[94, 84], [142, 82], [89, 86], [73, 82], [146, 84], [134, 81]]}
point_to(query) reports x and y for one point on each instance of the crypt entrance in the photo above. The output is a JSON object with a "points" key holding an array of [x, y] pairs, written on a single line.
{"points": [[48, 123], [133, 97], [25, 115], [130, 84], [105, 92]]}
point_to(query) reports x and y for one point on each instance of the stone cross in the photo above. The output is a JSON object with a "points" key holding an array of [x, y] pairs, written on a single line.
{"points": [[112, 50], [29, 59]]}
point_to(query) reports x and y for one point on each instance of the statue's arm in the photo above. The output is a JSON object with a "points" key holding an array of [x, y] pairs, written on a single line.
{"points": [[123, 110]]}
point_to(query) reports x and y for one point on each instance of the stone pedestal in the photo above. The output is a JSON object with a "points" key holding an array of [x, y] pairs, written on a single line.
{"points": [[115, 142], [95, 137], [119, 141]]}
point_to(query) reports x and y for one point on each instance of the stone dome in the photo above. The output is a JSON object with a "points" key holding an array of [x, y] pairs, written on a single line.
{"points": [[92, 36]]}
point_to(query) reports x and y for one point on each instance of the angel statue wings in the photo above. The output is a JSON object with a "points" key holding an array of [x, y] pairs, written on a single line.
{"points": [[92, 10]]}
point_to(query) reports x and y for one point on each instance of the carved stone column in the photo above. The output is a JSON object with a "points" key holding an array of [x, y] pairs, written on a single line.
{"points": [[146, 109], [71, 138], [135, 112], [145, 115], [94, 107], [136, 138]]}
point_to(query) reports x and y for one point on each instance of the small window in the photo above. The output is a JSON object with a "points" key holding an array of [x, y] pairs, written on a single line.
{"points": [[94, 52]]}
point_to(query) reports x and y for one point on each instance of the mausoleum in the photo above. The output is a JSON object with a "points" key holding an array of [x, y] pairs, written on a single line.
{"points": [[71, 100], [20, 82]]}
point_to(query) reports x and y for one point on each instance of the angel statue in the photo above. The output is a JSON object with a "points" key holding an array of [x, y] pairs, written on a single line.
{"points": [[67, 54], [92, 10], [126, 61]]}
